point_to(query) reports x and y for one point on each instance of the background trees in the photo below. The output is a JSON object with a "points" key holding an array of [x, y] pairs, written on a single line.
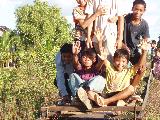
{"points": [[41, 30]]}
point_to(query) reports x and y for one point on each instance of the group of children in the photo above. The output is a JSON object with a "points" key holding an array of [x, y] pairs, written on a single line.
{"points": [[96, 66]]}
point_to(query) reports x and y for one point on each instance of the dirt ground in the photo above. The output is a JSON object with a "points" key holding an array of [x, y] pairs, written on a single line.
{"points": [[152, 110]]}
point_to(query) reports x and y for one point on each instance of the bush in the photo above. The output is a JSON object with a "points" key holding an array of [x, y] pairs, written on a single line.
{"points": [[41, 30]]}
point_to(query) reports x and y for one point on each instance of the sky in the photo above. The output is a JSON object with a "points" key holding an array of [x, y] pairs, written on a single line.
{"points": [[152, 14]]}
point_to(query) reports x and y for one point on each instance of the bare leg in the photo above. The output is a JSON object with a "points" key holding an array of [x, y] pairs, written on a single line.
{"points": [[128, 91], [96, 97], [119, 96]]}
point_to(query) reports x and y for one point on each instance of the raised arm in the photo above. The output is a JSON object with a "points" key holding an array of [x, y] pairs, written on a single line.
{"points": [[90, 18], [76, 49], [142, 61], [89, 31], [103, 54], [99, 35], [120, 32]]}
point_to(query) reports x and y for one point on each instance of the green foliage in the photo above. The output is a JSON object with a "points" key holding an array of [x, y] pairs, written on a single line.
{"points": [[41, 30], [41, 23]]}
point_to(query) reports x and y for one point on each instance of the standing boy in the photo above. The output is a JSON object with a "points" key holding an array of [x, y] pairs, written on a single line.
{"points": [[135, 28]]}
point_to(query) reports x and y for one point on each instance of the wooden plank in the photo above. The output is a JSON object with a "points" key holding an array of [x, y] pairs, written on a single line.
{"points": [[108, 108]]}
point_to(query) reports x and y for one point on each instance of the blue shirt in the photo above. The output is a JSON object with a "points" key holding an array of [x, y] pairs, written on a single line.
{"points": [[62, 68]]}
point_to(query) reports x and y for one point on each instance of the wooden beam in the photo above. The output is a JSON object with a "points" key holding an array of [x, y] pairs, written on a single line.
{"points": [[81, 108]]}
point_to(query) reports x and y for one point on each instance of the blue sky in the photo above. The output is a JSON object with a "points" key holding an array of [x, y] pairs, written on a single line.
{"points": [[152, 14]]}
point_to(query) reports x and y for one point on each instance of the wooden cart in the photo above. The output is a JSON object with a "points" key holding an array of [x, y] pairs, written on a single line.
{"points": [[69, 112]]}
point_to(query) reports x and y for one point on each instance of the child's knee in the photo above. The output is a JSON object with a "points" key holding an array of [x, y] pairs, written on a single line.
{"points": [[132, 88]]}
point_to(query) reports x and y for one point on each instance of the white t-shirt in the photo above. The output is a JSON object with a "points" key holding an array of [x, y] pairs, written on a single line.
{"points": [[102, 22]]}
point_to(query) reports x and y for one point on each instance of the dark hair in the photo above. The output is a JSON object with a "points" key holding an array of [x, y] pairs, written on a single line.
{"points": [[142, 2], [121, 53], [153, 42], [66, 48], [89, 52]]}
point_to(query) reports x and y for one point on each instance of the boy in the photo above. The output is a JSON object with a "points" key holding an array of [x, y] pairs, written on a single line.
{"points": [[108, 25], [86, 73], [118, 74], [135, 28], [64, 68]]}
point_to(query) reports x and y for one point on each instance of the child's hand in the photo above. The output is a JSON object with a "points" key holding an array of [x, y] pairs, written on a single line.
{"points": [[103, 54], [76, 48], [144, 45], [99, 35], [118, 44], [101, 10], [89, 43]]}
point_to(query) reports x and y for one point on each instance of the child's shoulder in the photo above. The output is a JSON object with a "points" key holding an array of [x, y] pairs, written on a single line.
{"points": [[144, 22], [128, 17]]}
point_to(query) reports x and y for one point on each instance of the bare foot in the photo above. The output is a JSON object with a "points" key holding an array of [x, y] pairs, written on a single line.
{"points": [[99, 100], [120, 103]]}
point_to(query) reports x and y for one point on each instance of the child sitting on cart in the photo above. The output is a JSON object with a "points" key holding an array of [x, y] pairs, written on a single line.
{"points": [[86, 72], [118, 75]]}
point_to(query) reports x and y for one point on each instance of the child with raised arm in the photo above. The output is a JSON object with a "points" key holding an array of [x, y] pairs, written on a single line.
{"points": [[86, 74], [136, 27], [118, 75]]}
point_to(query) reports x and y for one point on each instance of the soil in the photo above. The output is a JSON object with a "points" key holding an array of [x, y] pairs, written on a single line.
{"points": [[152, 110]]}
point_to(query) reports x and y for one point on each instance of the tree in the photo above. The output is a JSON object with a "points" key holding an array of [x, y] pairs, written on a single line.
{"points": [[41, 23], [41, 30]]}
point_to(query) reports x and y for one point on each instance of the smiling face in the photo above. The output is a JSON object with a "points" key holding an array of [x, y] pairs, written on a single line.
{"points": [[138, 11], [67, 58], [120, 63], [87, 61]]}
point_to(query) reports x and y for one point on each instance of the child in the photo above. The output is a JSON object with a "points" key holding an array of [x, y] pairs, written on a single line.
{"points": [[64, 68], [118, 74], [156, 64], [135, 28], [86, 73], [108, 25], [153, 48]]}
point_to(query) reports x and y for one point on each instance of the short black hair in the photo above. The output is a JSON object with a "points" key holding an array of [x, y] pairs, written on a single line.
{"points": [[66, 48], [121, 53], [89, 52], [154, 42], [142, 2]]}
